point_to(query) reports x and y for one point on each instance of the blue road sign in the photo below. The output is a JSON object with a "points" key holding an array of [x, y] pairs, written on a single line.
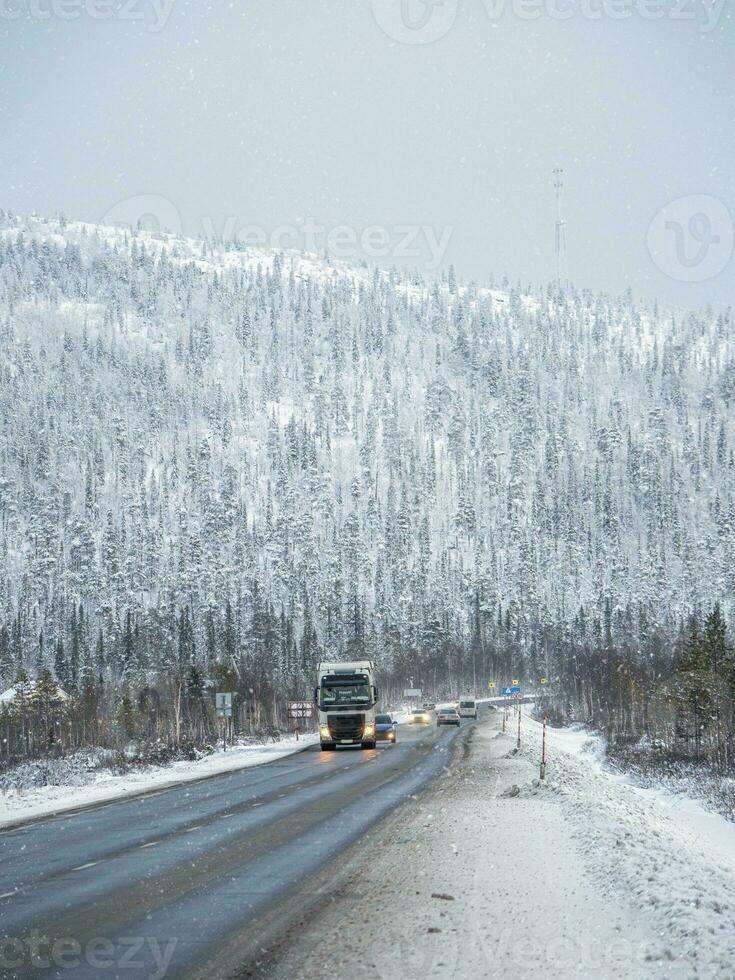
{"points": [[511, 690]]}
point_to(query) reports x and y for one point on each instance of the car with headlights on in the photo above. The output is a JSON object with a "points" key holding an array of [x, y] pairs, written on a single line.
{"points": [[448, 716], [385, 729], [419, 716]]}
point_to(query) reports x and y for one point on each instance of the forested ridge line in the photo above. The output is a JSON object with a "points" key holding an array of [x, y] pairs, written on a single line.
{"points": [[218, 466]]}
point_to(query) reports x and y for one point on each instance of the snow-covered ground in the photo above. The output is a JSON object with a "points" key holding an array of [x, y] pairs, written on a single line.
{"points": [[497, 875], [675, 859], [715, 833], [21, 805]]}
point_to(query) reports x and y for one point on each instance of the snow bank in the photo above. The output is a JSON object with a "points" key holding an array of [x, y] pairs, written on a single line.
{"points": [[71, 785], [674, 859]]}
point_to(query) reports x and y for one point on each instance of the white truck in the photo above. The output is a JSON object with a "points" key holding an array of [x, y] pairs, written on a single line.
{"points": [[346, 699], [467, 706]]}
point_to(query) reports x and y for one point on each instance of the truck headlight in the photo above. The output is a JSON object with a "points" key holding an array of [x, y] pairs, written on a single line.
{"points": [[369, 729], [324, 731]]}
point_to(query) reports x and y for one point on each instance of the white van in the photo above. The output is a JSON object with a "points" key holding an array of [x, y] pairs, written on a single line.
{"points": [[467, 707]]}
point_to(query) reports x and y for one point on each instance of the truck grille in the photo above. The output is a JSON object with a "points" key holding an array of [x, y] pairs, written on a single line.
{"points": [[346, 726]]}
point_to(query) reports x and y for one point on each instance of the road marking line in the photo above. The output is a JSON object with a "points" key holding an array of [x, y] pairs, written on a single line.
{"points": [[151, 844], [8, 894], [81, 867], [258, 804], [192, 829], [226, 815]]}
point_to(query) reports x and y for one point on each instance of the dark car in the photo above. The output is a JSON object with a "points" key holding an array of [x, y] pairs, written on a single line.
{"points": [[385, 729], [447, 716]]}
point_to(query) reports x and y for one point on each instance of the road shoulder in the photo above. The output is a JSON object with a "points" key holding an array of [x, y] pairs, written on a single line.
{"points": [[465, 880]]}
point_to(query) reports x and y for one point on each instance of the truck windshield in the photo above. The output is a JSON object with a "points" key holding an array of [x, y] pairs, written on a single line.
{"points": [[345, 690]]}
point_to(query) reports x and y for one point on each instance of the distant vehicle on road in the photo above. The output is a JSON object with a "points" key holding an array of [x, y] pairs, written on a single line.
{"points": [[346, 697], [467, 708], [419, 716], [385, 729], [447, 716]]}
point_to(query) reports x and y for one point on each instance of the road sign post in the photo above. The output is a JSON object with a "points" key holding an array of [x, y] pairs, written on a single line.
{"points": [[296, 711], [223, 705]]}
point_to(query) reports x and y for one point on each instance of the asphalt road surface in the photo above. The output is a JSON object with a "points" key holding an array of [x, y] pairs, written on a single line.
{"points": [[186, 882]]}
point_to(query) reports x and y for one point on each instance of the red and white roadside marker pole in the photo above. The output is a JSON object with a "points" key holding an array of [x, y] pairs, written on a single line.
{"points": [[543, 749], [519, 724]]}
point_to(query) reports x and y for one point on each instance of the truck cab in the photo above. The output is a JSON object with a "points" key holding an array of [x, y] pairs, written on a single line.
{"points": [[346, 699]]}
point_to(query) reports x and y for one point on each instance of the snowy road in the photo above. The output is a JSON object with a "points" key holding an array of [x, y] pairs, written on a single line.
{"points": [[360, 864], [187, 881]]}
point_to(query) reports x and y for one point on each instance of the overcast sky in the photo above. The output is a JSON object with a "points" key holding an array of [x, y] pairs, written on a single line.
{"points": [[447, 119]]}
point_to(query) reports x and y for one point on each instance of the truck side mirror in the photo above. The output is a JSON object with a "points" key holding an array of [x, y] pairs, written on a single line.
{"points": [[375, 693], [316, 694]]}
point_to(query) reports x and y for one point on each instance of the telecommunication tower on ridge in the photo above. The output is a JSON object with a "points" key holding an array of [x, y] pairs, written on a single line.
{"points": [[560, 239]]}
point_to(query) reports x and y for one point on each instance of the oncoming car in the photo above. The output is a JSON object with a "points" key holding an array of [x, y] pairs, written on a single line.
{"points": [[385, 729], [419, 716], [447, 716]]}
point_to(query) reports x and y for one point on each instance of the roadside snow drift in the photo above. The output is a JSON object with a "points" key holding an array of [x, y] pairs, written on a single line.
{"points": [[20, 804]]}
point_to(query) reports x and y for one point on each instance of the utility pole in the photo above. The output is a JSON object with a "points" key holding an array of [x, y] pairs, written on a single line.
{"points": [[560, 240]]}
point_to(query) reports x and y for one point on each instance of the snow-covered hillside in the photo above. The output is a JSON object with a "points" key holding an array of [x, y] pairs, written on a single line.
{"points": [[258, 458]]}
